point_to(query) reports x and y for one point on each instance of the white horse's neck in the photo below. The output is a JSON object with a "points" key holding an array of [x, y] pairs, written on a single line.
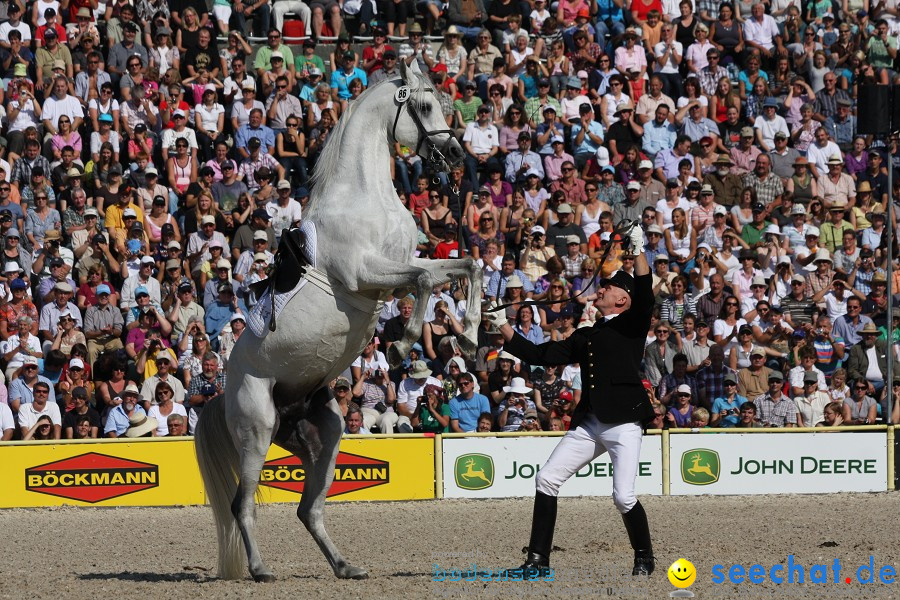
{"points": [[363, 162]]}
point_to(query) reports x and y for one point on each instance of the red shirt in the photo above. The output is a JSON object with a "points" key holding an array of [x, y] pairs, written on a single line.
{"points": [[444, 249], [369, 54]]}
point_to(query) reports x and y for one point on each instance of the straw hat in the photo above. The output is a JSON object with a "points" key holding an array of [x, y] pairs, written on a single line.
{"points": [[140, 425]]}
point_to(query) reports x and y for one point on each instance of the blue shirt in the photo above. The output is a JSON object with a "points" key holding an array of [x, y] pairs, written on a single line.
{"points": [[497, 284], [245, 132], [118, 421], [468, 411], [658, 137], [723, 404], [340, 81], [844, 328], [24, 394], [587, 145], [217, 316]]}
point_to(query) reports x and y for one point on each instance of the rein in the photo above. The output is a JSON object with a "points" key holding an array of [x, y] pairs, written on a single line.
{"points": [[623, 229], [436, 155]]}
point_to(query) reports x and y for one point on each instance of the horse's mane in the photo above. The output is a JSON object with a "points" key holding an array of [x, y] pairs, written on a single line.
{"points": [[326, 171]]}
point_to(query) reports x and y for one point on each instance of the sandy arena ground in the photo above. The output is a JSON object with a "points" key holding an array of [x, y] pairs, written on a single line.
{"points": [[170, 552]]}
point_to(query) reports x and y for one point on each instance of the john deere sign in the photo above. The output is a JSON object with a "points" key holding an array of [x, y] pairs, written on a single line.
{"points": [[506, 467], [474, 471], [700, 466], [778, 463]]}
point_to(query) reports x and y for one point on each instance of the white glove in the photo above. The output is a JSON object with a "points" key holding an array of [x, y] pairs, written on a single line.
{"points": [[497, 318], [637, 239]]}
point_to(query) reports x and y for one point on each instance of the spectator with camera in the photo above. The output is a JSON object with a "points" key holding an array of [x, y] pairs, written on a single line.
{"points": [[432, 411], [376, 395], [209, 384]]}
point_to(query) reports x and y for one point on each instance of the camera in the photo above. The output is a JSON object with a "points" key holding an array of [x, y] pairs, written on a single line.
{"points": [[378, 373]]}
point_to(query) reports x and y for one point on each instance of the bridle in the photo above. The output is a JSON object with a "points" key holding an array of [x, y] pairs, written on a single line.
{"points": [[435, 155]]}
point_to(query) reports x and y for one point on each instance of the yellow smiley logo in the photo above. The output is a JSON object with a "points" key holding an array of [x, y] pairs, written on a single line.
{"points": [[682, 573]]}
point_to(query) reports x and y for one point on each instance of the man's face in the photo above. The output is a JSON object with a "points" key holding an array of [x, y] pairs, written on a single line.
{"points": [[757, 11], [508, 267], [41, 393], [210, 367], [60, 87], [483, 116], [255, 118], [655, 87], [354, 422], [821, 137], [176, 428], [762, 166], [853, 309], [661, 114], [31, 151], [274, 39], [163, 364]]}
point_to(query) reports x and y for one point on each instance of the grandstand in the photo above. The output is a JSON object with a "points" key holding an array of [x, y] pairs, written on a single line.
{"points": [[153, 153]]}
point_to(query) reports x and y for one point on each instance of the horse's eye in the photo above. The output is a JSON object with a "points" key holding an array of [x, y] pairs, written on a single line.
{"points": [[425, 109]]}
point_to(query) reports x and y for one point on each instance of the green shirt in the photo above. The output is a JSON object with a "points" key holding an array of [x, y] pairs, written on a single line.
{"points": [[751, 234], [264, 56], [430, 424], [467, 109], [878, 52], [534, 110], [301, 62]]}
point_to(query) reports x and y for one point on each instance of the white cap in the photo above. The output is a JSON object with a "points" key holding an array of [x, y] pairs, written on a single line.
{"points": [[12, 267], [813, 230], [535, 229], [633, 185], [798, 209], [720, 210], [773, 228], [129, 212], [683, 389], [76, 363], [645, 164], [758, 280], [147, 260], [207, 219], [704, 246]]}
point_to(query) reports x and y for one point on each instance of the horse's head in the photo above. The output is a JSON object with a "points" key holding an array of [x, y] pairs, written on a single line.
{"points": [[420, 123]]}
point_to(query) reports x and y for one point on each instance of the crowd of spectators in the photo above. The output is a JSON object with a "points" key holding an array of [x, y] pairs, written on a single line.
{"points": [[151, 158]]}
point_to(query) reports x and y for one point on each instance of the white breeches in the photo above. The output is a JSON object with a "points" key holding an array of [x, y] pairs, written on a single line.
{"points": [[585, 443]]}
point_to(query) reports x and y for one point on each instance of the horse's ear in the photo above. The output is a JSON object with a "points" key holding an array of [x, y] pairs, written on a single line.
{"points": [[407, 72], [414, 67]]}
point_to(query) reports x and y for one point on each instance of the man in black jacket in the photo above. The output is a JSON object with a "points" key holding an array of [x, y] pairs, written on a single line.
{"points": [[613, 405]]}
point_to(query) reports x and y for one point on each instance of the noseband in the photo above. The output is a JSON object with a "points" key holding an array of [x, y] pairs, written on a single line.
{"points": [[435, 155]]}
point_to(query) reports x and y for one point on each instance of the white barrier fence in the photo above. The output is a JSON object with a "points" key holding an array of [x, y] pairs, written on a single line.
{"points": [[681, 462]]}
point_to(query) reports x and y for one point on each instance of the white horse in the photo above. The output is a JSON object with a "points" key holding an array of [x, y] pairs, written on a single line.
{"points": [[277, 388]]}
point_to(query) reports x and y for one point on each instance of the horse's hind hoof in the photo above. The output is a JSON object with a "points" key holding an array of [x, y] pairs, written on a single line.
{"points": [[264, 578], [350, 572]]}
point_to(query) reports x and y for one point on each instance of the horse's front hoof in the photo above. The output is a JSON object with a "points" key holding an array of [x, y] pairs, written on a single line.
{"points": [[468, 347], [351, 572], [264, 578], [394, 355]]}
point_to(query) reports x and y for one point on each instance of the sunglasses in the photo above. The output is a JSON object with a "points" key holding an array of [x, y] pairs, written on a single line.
{"points": [[729, 383], [861, 387]]}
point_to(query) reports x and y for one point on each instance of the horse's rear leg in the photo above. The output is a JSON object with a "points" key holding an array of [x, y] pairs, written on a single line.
{"points": [[252, 419], [318, 437]]}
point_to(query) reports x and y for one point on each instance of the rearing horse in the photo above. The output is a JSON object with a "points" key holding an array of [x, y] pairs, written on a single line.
{"points": [[277, 389]]}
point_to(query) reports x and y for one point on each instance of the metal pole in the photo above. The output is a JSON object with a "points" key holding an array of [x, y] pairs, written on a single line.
{"points": [[889, 381]]}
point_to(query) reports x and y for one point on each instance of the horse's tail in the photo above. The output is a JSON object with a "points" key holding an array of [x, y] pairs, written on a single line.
{"points": [[218, 460]]}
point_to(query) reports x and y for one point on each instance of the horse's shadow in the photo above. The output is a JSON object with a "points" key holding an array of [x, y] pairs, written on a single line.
{"points": [[148, 577]]}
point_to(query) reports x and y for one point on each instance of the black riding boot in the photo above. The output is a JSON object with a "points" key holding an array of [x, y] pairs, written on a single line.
{"points": [[543, 522], [639, 535]]}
